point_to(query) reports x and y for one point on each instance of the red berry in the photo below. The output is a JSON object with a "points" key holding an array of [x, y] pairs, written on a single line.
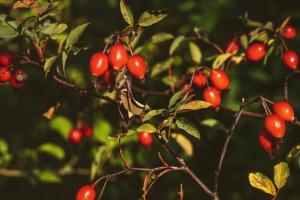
{"points": [[16, 84], [232, 47], [75, 136], [86, 129], [289, 32], [284, 110], [5, 74], [199, 79], [117, 56], [146, 139], [137, 66], [6, 59], [266, 142], [86, 192], [275, 126], [256, 51], [219, 79], [98, 64], [212, 95], [291, 59]]}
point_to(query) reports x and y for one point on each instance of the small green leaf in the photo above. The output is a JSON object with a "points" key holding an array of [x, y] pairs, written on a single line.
{"points": [[220, 60], [244, 41], [53, 150], [195, 52], [170, 80], [293, 153], [152, 113], [60, 28], [147, 128], [175, 98], [62, 125], [102, 129], [184, 143], [149, 18], [126, 13], [188, 127], [161, 67], [3, 146], [285, 22], [194, 105], [210, 122], [75, 35], [48, 176], [262, 182], [7, 32], [176, 43], [161, 37], [48, 63], [281, 173]]}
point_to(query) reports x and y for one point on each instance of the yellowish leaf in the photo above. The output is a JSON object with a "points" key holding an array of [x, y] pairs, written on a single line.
{"points": [[184, 143], [194, 105], [281, 173], [262, 182], [51, 111]]}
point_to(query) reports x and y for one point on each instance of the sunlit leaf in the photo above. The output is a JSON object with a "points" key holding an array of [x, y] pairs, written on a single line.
{"points": [[262, 182], [188, 127], [126, 12], [101, 130], [149, 18], [176, 43], [147, 128], [152, 113], [62, 125], [194, 105], [53, 150], [48, 63], [161, 67], [74, 35], [220, 60], [161, 37], [184, 143], [195, 52], [3, 146], [7, 32], [175, 98], [281, 173], [48, 176]]}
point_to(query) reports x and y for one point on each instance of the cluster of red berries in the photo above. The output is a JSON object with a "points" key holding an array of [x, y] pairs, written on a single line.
{"points": [[83, 130], [275, 127], [145, 139], [117, 58], [15, 77]]}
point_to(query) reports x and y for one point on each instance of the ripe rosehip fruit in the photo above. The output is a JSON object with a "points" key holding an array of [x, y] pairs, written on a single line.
{"points": [[117, 56], [75, 136], [284, 110], [275, 126], [98, 64], [289, 32], [291, 59], [256, 51], [86, 129], [137, 66], [212, 95], [232, 47], [199, 79], [6, 59], [107, 78], [219, 79], [86, 192], [266, 142], [5, 74], [146, 139]]}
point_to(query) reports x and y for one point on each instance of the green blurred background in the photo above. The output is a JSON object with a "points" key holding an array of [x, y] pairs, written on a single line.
{"points": [[23, 128]]}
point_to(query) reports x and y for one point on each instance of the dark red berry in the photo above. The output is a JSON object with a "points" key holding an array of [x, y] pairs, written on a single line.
{"points": [[146, 139], [266, 142], [86, 192], [284, 110], [7, 58], [5, 74], [232, 46], [75, 136], [291, 59], [256, 51], [86, 129], [117, 56], [275, 126], [219, 79], [199, 79], [137, 66], [212, 96], [289, 32], [98, 64]]}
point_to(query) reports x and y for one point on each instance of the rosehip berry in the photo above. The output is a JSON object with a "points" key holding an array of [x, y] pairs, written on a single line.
{"points": [[232, 47], [98, 64], [219, 79], [291, 59], [275, 126], [117, 56], [289, 32], [212, 96], [86, 192], [6, 59], [256, 51], [75, 136], [5, 74], [107, 77], [137, 66], [284, 110], [86, 129], [146, 139], [199, 79], [266, 142]]}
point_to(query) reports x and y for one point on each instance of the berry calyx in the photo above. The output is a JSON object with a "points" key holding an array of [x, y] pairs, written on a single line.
{"points": [[212, 96], [75, 136], [256, 51], [199, 79], [146, 139], [289, 32], [266, 143], [275, 126], [284, 110], [291, 59], [16, 84], [232, 47], [5, 74], [137, 66], [98, 64], [219, 79], [86, 192], [86, 129], [117, 56]]}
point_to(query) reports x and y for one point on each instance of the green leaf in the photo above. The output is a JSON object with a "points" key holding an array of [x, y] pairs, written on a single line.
{"points": [[152, 114], [161, 37], [126, 13], [175, 98], [194, 105], [293, 153], [281, 173], [176, 43], [244, 41], [170, 80], [161, 67], [7, 32], [48, 63], [184, 143], [74, 35], [102, 129], [262, 182], [220, 60], [195, 52], [48, 176], [60, 28], [62, 125], [147, 128], [3, 146], [53, 150], [213, 123], [149, 18], [188, 127]]}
